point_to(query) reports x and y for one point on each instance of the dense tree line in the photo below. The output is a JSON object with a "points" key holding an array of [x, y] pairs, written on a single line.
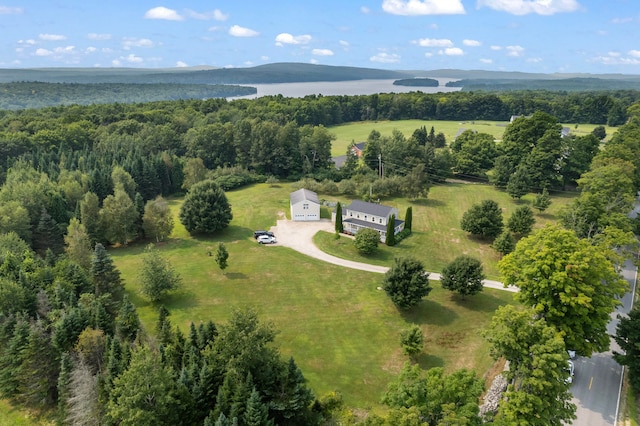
{"points": [[23, 95]]}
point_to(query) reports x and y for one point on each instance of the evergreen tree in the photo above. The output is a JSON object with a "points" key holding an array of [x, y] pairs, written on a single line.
{"points": [[138, 202], [256, 413], [292, 399], [391, 235], [542, 201], [412, 340], [47, 235], [64, 383], [127, 321], [408, 218], [11, 357], [521, 221], [339, 226], [518, 184], [205, 208], [90, 217], [106, 278], [38, 372], [221, 256]]}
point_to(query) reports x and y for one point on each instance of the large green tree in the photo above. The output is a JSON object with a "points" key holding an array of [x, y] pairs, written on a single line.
{"points": [[463, 275], [78, 244], [538, 393], [406, 282], [118, 217], [521, 221], [570, 282], [157, 276], [157, 220], [484, 219], [628, 338], [205, 208], [366, 241]]}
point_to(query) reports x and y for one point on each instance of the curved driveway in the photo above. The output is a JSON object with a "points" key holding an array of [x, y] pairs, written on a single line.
{"points": [[299, 236]]}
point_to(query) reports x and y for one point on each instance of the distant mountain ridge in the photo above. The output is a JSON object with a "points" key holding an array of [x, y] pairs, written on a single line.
{"points": [[283, 72]]}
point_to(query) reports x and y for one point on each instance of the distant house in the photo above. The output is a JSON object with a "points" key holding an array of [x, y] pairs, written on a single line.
{"points": [[304, 205], [361, 214], [566, 131], [358, 149]]}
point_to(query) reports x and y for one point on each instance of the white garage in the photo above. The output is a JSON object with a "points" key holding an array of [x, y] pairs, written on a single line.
{"points": [[304, 205]]}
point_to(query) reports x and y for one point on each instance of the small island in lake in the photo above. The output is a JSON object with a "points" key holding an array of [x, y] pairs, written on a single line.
{"points": [[418, 82]]}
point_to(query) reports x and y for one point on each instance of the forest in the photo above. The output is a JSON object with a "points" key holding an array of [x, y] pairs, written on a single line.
{"points": [[76, 179]]}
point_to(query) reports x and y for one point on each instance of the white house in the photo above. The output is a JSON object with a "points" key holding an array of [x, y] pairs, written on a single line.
{"points": [[361, 214], [304, 205]]}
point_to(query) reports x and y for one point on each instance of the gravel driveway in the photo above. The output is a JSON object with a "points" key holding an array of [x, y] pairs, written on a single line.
{"points": [[299, 236]]}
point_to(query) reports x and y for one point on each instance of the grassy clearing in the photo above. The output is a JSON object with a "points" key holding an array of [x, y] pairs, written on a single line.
{"points": [[437, 238], [358, 131], [342, 331], [18, 416]]}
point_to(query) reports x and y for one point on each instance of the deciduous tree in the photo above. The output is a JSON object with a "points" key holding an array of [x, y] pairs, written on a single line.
{"points": [[521, 221], [78, 244], [463, 275], [157, 276], [118, 217], [484, 219], [366, 241], [157, 220], [406, 282], [628, 338], [569, 282], [412, 340], [222, 255], [205, 208]]}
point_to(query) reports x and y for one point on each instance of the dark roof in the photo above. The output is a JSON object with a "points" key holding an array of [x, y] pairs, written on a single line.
{"points": [[369, 208], [372, 225], [302, 195], [360, 146]]}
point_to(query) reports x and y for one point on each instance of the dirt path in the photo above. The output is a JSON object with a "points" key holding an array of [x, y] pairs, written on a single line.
{"points": [[299, 236]]}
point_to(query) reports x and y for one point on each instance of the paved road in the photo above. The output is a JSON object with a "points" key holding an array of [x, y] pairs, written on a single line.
{"points": [[597, 381], [299, 236]]}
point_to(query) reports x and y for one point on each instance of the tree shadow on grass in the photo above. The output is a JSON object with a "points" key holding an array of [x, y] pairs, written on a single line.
{"points": [[427, 202], [427, 361], [180, 299], [235, 276], [481, 302], [429, 312], [228, 234]]}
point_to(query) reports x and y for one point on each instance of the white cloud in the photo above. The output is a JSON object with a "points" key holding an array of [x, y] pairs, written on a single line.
{"points": [[472, 43], [322, 52], [385, 58], [614, 54], [514, 50], [90, 49], [614, 58], [486, 61], [621, 20], [29, 42], [524, 7], [634, 53], [238, 31], [181, 64], [52, 37], [344, 43], [6, 10], [116, 63], [131, 58], [129, 42], [428, 54], [162, 12], [494, 47], [96, 36], [313, 61], [216, 14], [452, 51], [423, 7], [365, 10], [434, 42], [43, 52], [66, 49], [264, 58], [286, 38], [534, 60]]}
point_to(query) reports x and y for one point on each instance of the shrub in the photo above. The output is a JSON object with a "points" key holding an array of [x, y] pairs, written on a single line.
{"points": [[367, 240]]}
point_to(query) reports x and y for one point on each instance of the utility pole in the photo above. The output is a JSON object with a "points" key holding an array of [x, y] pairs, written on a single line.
{"points": [[380, 165]]}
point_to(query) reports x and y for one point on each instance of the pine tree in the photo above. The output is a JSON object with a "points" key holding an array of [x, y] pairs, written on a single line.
{"points": [[542, 201], [504, 243], [11, 357], [90, 217], [106, 278], [47, 235], [64, 384], [408, 218], [221, 256], [38, 373], [127, 321], [339, 226], [391, 236], [256, 413]]}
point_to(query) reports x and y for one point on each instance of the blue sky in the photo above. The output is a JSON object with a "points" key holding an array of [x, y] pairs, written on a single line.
{"points": [[591, 36]]}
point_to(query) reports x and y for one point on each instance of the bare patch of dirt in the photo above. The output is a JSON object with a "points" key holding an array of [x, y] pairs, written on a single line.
{"points": [[450, 340]]}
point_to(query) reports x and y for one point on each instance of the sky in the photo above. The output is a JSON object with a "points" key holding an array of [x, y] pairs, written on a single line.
{"points": [[547, 36]]}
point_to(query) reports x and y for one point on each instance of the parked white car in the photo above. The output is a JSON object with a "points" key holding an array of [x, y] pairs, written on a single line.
{"points": [[266, 239], [572, 368]]}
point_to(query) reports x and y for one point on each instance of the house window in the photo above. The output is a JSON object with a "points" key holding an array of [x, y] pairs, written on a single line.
{"points": [[365, 217], [350, 214], [305, 207], [380, 220], [358, 216], [373, 219]]}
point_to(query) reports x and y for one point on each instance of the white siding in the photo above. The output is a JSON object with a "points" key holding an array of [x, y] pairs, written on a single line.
{"points": [[305, 211]]}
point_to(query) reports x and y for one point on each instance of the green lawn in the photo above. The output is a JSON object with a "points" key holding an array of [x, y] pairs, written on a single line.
{"points": [[437, 238], [19, 416], [342, 331], [358, 131]]}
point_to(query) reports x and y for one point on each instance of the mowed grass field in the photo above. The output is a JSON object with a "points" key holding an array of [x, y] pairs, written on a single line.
{"points": [[342, 331], [359, 131]]}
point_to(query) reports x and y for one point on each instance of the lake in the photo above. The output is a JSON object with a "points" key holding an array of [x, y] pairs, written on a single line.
{"points": [[349, 88]]}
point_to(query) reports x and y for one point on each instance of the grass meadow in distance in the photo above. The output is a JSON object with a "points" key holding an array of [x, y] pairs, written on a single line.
{"points": [[342, 330], [358, 131]]}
